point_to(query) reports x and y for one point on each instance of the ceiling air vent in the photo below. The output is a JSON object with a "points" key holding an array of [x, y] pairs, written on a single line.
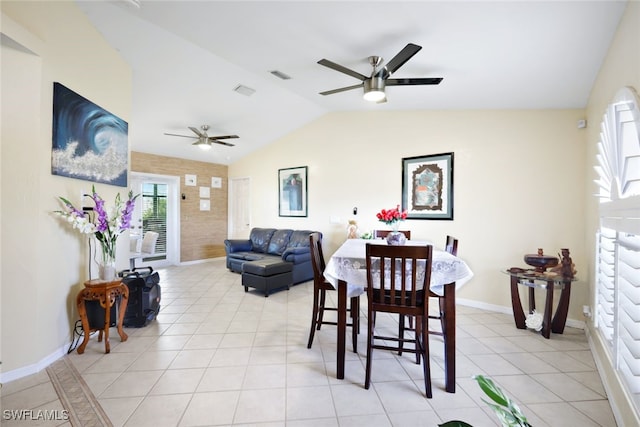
{"points": [[280, 75], [244, 90]]}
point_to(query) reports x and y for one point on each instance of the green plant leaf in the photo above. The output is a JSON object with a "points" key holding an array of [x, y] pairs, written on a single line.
{"points": [[491, 390]]}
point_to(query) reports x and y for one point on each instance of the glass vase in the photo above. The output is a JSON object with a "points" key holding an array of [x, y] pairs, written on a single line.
{"points": [[107, 270], [107, 266]]}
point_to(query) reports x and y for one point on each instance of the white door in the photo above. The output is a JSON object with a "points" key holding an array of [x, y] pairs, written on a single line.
{"points": [[157, 209], [239, 208]]}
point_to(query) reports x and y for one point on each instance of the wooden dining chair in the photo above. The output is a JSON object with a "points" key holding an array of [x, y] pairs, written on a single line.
{"points": [[397, 285], [451, 246], [320, 288], [382, 234]]}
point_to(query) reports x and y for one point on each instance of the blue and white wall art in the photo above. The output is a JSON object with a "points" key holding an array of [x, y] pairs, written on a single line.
{"points": [[89, 143]]}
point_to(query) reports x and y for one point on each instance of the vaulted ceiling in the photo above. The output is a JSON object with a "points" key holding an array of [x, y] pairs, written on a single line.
{"points": [[188, 57]]}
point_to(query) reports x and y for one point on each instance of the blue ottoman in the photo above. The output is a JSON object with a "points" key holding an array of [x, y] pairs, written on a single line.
{"points": [[267, 275]]}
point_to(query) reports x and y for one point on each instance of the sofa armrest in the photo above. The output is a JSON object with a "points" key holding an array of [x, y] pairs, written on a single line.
{"points": [[297, 255], [236, 245]]}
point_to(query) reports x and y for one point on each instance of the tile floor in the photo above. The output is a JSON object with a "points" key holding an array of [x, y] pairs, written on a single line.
{"points": [[219, 356]]}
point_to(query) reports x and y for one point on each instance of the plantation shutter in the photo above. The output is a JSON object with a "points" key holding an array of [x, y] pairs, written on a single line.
{"points": [[605, 278], [617, 275], [628, 275]]}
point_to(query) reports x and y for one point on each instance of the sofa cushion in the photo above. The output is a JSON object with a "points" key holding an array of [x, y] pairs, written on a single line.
{"points": [[279, 241], [260, 238], [247, 256], [299, 238]]}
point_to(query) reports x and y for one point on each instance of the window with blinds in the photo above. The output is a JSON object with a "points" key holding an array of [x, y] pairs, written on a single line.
{"points": [[154, 214], [617, 275]]}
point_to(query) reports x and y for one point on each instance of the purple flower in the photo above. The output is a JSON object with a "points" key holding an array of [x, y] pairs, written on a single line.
{"points": [[127, 212], [105, 229]]}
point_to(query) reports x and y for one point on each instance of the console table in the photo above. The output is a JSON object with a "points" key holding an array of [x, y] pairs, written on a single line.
{"points": [[107, 293], [534, 281]]}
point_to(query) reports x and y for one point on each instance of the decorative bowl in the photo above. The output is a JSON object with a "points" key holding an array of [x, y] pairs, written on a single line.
{"points": [[541, 262]]}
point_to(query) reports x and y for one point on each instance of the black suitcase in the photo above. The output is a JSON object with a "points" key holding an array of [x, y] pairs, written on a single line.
{"points": [[144, 297]]}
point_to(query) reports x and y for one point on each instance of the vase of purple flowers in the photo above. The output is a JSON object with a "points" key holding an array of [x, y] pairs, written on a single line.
{"points": [[105, 225]]}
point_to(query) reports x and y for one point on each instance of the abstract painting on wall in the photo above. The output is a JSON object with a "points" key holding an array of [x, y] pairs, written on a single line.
{"points": [[89, 143]]}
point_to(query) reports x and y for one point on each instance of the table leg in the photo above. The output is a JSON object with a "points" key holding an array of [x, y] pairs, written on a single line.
{"points": [[124, 289], [532, 299], [516, 304], [548, 307], [560, 318], [82, 311], [109, 300], [342, 327], [450, 337]]}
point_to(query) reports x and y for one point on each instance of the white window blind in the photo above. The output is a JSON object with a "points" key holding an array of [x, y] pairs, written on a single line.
{"points": [[628, 277], [605, 277], [617, 275], [154, 214]]}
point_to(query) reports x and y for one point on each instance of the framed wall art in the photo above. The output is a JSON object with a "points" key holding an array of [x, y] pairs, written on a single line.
{"points": [[89, 142], [292, 192], [427, 186]]}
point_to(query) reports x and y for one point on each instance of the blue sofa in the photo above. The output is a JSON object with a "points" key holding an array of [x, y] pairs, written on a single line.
{"points": [[271, 250]]}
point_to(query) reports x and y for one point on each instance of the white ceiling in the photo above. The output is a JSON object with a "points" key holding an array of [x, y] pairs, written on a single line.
{"points": [[188, 56]]}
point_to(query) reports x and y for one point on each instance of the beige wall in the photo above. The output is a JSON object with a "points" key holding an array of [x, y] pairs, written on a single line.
{"points": [[620, 68], [518, 184], [43, 262], [202, 233]]}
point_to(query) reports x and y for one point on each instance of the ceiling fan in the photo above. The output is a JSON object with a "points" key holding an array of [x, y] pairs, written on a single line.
{"points": [[205, 141], [375, 84]]}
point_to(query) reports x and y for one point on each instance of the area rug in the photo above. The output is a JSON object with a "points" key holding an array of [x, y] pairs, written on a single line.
{"points": [[75, 395]]}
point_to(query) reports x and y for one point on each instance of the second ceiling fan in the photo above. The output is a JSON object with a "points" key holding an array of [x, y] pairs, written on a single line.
{"points": [[375, 84], [205, 141]]}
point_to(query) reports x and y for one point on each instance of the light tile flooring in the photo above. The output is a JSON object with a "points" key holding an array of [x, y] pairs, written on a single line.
{"points": [[219, 356]]}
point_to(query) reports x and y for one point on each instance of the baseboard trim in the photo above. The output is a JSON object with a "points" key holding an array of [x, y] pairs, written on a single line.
{"points": [[573, 323], [42, 364]]}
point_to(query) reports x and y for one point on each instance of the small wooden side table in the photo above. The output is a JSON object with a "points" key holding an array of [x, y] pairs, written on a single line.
{"points": [[106, 293], [547, 283]]}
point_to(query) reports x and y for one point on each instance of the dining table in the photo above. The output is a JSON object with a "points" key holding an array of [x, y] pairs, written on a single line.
{"points": [[346, 271]]}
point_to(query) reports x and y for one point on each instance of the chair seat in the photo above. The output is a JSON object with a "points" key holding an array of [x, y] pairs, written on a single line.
{"points": [[147, 248]]}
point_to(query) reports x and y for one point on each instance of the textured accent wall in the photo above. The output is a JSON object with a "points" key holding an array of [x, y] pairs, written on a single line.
{"points": [[202, 233]]}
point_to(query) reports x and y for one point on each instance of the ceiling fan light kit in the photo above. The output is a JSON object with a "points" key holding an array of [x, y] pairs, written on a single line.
{"points": [[203, 145], [374, 89]]}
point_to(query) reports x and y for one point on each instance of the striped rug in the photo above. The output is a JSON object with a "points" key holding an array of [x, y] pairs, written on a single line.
{"points": [[75, 395]]}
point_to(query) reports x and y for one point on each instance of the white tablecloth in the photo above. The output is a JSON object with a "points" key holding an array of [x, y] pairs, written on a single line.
{"points": [[348, 264]]}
